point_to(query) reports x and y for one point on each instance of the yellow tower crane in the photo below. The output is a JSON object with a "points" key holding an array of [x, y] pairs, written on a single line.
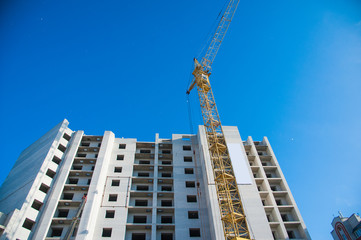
{"points": [[229, 200]]}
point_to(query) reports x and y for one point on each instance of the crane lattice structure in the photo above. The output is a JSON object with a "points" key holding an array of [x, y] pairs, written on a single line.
{"points": [[232, 214]]}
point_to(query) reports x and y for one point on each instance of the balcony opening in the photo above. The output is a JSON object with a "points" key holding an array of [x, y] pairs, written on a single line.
{"points": [[140, 219], [284, 217]]}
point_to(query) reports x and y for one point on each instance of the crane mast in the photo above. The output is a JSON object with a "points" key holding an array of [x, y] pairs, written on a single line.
{"points": [[231, 210]]}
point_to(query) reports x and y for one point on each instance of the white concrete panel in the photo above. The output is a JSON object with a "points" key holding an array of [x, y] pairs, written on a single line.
{"points": [[239, 163]]}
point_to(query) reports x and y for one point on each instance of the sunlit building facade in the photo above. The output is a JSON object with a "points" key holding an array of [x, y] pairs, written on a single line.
{"points": [[68, 185]]}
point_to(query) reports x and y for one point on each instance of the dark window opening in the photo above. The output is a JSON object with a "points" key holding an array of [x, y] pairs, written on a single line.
{"points": [[73, 181], [273, 188], [291, 234], [56, 160], [61, 148], [166, 236], [50, 173], [193, 215], [81, 155], [145, 151], [144, 162], [68, 196], [77, 167], [28, 224], [89, 181], [63, 213], [120, 157], [188, 171], [187, 148], [278, 202], [56, 232], [66, 137], [44, 188], [166, 175], [115, 183], [167, 188], [138, 236], [190, 184], [109, 214], [166, 151], [284, 217], [166, 162], [37, 205], [113, 197], [166, 203], [194, 232], [141, 202], [118, 169], [166, 219], [268, 175], [122, 146], [188, 159], [142, 187], [107, 232], [140, 219], [93, 167], [191, 198], [143, 174]]}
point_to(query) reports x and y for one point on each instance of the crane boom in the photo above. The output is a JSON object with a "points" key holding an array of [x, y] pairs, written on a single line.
{"points": [[229, 199]]}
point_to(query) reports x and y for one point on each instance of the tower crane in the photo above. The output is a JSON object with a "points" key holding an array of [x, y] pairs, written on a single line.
{"points": [[231, 210]]}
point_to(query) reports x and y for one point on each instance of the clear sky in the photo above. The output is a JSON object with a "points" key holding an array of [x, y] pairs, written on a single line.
{"points": [[289, 70]]}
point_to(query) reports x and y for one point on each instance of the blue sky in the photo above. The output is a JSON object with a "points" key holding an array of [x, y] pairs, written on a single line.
{"points": [[288, 70]]}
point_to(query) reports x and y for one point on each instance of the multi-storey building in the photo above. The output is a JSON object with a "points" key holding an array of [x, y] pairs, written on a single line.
{"points": [[127, 189], [346, 228]]}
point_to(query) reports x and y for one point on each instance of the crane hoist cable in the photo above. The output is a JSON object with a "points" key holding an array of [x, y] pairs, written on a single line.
{"points": [[232, 214]]}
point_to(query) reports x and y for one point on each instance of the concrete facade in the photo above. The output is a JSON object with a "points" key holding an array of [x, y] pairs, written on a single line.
{"points": [[141, 190]]}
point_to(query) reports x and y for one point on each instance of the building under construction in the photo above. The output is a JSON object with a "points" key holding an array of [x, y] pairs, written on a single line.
{"points": [[68, 185]]}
